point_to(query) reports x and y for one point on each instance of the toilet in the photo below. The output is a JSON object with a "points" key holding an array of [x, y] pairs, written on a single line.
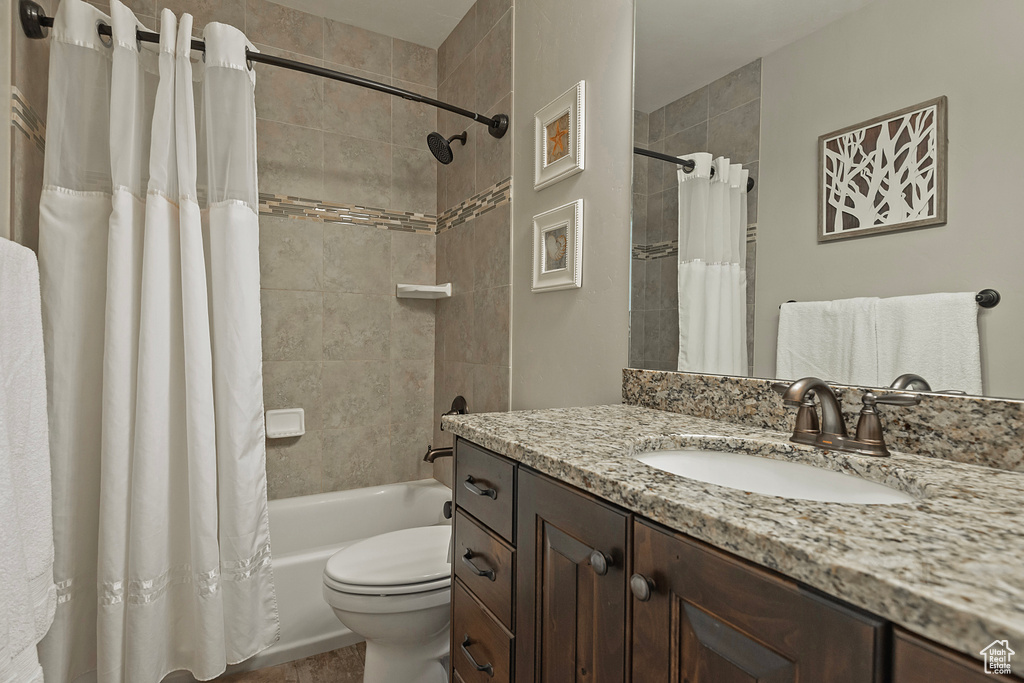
{"points": [[394, 590]]}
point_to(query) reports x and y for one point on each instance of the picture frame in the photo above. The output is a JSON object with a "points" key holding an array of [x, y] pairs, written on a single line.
{"points": [[559, 129], [558, 248], [884, 175]]}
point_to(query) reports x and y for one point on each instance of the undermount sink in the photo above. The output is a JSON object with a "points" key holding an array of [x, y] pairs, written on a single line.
{"points": [[772, 477]]}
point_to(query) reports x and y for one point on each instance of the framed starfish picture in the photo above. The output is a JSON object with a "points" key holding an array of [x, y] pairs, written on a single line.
{"points": [[560, 137]]}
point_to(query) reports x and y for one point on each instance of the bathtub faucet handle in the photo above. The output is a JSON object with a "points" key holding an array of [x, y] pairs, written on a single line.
{"points": [[459, 407]]}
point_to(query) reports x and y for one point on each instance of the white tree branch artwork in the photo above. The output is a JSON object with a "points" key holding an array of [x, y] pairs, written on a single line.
{"points": [[884, 174]]}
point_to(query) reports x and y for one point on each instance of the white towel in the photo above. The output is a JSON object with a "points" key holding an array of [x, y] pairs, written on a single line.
{"points": [[832, 340], [932, 335], [27, 592]]}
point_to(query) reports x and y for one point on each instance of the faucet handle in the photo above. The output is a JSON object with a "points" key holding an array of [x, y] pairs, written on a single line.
{"points": [[871, 398]]}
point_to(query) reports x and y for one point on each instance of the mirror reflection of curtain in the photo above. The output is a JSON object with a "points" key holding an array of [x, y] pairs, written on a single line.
{"points": [[712, 278]]}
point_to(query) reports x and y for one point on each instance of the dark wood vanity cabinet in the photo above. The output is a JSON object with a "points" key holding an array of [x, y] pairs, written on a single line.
{"points": [[703, 616], [916, 660], [571, 589]]}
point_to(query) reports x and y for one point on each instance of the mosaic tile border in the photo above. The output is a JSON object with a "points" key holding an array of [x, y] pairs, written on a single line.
{"points": [[287, 206], [976, 430], [27, 120], [496, 195], [649, 252]]}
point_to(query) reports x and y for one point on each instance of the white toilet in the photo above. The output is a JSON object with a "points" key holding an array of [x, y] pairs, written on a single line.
{"points": [[394, 590]]}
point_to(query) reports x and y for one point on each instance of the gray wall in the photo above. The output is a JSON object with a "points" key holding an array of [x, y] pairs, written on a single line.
{"points": [[882, 58], [569, 346]]}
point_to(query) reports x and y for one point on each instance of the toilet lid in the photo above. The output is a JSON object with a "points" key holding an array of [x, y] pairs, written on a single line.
{"points": [[397, 558]]}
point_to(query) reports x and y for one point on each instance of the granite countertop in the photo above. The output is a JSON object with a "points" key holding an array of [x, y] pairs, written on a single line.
{"points": [[949, 566]]}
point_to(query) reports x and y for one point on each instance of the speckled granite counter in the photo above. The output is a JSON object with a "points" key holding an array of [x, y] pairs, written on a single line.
{"points": [[949, 566]]}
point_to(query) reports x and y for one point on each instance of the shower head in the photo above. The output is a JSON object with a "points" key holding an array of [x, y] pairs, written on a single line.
{"points": [[441, 148]]}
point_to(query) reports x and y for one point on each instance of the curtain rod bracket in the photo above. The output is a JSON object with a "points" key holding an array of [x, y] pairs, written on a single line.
{"points": [[33, 19]]}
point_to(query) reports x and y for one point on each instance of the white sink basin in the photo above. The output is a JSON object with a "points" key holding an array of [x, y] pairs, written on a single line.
{"points": [[773, 477]]}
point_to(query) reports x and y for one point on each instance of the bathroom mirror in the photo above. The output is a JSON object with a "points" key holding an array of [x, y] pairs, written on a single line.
{"points": [[757, 84]]}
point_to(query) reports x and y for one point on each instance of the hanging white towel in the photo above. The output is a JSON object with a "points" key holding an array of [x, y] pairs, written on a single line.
{"points": [[27, 592], [833, 340], [932, 335]]}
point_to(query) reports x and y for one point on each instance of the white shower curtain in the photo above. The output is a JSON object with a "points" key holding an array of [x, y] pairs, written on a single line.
{"points": [[712, 278], [152, 333]]}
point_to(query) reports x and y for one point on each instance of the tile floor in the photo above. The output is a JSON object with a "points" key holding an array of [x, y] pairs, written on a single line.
{"points": [[338, 666]]}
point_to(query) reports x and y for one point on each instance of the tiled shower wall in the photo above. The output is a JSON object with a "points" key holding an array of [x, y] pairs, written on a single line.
{"points": [[723, 118], [471, 356], [336, 341]]}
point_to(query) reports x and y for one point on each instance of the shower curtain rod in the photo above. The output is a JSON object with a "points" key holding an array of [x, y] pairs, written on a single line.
{"points": [[34, 22], [687, 164]]}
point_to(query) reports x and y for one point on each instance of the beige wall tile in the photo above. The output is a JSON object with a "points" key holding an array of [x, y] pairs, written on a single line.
{"points": [[491, 388], [291, 254], [294, 384], [493, 58], [290, 159], [357, 48], [411, 122], [412, 386], [357, 259], [414, 63], [27, 174], [491, 251], [294, 466], [412, 329], [492, 308], [456, 48], [413, 258], [356, 457], [292, 324], [357, 326], [460, 338], [357, 171], [357, 111], [289, 96], [413, 180], [409, 441], [284, 28], [231, 12], [488, 12], [355, 392], [494, 155]]}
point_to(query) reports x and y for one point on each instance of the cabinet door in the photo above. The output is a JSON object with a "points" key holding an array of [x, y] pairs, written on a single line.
{"points": [[916, 660], [571, 585], [709, 617]]}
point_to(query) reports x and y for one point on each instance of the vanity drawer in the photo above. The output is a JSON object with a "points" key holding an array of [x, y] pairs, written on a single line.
{"points": [[484, 486], [478, 641], [485, 564]]}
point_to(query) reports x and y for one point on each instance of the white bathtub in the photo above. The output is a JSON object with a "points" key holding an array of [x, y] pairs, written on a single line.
{"points": [[305, 531]]}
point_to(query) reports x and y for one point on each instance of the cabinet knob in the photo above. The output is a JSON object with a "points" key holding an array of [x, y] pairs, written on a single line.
{"points": [[600, 562], [641, 586]]}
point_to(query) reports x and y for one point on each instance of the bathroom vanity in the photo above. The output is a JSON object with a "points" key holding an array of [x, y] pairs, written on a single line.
{"points": [[574, 561]]}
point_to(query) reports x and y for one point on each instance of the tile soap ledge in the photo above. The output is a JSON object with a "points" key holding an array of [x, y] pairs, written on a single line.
{"points": [[949, 566]]}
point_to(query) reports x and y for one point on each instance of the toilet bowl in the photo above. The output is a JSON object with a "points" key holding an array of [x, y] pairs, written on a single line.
{"points": [[394, 590]]}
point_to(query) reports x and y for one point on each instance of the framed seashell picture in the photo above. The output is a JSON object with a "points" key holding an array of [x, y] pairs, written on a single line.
{"points": [[558, 248]]}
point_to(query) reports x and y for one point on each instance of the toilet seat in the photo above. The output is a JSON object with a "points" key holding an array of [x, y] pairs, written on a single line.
{"points": [[404, 562]]}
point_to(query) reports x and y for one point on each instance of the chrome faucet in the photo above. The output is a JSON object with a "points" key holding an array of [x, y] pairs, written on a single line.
{"points": [[869, 438], [459, 407]]}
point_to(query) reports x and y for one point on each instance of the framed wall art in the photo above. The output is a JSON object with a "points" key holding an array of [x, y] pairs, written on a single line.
{"points": [[559, 129], [884, 175], [558, 248]]}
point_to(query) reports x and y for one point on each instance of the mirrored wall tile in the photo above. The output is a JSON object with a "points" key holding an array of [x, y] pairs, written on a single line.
{"points": [[670, 216], [291, 254], [491, 388], [412, 329], [491, 248], [409, 441], [686, 112], [668, 291], [412, 388], [357, 326], [657, 169], [736, 133], [640, 164], [636, 338], [289, 96], [638, 282], [639, 219], [687, 141], [732, 90], [458, 45], [290, 159], [488, 12], [655, 216], [285, 28], [356, 457], [413, 180], [231, 12], [357, 171], [357, 48], [294, 466], [412, 122], [652, 283], [294, 384], [413, 258], [354, 391], [493, 155], [751, 271], [357, 259], [492, 308], [667, 336], [652, 335], [641, 127], [750, 337], [494, 65], [356, 111], [656, 125], [292, 324], [414, 63], [752, 195]]}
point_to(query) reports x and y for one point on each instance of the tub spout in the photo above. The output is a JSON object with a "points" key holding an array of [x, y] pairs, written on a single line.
{"points": [[433, 454]]}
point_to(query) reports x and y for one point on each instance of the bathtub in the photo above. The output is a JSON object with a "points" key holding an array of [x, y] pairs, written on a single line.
{"points": [[305, 531]]}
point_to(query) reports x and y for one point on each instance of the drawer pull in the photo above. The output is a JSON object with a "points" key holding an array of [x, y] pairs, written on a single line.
{"points": [[473, 488], [479, 667], [641, 586], [468, 560], [600, 562]]}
